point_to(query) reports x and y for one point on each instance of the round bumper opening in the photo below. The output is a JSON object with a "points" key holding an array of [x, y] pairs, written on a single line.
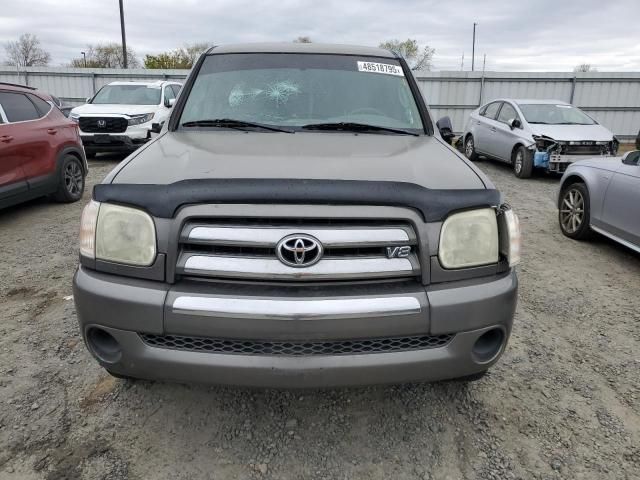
{"points": [[488, 345], [103, 345]]}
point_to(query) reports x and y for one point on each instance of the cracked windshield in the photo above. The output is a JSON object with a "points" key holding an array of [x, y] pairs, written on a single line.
{"points": [[293, 90]]}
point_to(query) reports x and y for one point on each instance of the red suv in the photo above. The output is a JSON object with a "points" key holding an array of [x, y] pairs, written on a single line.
{"points": [[40, 149]]}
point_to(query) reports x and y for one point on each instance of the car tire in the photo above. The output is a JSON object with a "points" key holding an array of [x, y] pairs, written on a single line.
{"points": [[70, 180], [522, 162], [470, 149], [574, 211]]}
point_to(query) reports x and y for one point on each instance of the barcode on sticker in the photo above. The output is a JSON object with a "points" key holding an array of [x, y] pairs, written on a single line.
{"points": [[385, 68]]}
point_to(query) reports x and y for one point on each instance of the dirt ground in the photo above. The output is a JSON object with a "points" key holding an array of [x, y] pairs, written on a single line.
{"points": [[564, 401]]}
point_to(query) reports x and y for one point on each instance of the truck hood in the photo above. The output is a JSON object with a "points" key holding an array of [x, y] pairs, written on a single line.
{"points": [[93, 109], [176, 156], [596, 133]]}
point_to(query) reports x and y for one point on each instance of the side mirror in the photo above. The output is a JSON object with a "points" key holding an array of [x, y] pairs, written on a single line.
{"points": [[631, 158], [514, 123], [446, 129], [169, 102], [156, 127]]}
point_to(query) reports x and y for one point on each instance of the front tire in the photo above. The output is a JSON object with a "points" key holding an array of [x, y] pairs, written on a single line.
{"points": [[574, 211], [70, 180], [522, 162], [470, 149]]}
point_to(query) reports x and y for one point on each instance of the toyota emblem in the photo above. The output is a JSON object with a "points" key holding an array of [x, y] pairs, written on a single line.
{"points": [[299, 250], [102, 123]]}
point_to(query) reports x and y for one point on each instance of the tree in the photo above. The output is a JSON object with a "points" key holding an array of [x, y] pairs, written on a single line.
{"points": [[183, 57], [27, 52], [584, 67], [417, 58], [108, 55], [304, 39]]}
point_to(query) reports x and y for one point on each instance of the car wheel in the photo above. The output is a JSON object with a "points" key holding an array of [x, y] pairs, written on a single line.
{"points": [[573, 211], [470, 149], [70, 181], [522, 162]]}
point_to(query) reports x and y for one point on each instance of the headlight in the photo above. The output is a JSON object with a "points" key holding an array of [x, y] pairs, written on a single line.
{"points": [[140, 119], [510, 236], [75, 117], [117, 234], [469, 239]]}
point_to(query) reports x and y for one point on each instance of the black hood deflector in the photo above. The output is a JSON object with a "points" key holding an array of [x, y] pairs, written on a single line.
{"points": [[164, 200]]}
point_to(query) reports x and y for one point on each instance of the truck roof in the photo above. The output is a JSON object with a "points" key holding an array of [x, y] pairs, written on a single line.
{"points": [[293, 47]]}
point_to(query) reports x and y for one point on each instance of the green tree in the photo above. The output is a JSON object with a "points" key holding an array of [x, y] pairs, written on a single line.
{"points": [[418, 58], [183, 57], [26, 52], [107, 55]]}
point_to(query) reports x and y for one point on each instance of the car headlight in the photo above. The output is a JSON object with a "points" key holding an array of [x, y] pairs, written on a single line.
{"points": [[140, 119], [74, 117], [117, 234], [469, 239]]}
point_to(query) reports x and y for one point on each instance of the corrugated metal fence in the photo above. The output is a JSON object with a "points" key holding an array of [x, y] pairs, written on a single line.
{"points": [[612, 98]]}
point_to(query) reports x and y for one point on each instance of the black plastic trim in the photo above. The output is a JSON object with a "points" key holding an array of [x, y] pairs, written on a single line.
{"points": [[164, 200]]}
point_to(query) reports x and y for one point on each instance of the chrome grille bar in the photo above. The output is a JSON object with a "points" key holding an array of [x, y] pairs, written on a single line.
{"points": [[328, 268], [269, 236]]}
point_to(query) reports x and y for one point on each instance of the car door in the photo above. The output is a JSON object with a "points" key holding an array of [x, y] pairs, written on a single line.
{"points": [[621, 209], [485, 126], [15, 142], [167, 96], [504, 138]]}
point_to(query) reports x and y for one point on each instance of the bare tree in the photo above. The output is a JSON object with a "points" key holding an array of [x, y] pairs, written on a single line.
{"points": [[304, 39], [26, 52], [584, 67], [108, 55], [417, 58]]}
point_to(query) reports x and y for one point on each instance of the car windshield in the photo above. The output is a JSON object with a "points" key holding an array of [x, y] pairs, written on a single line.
{"points": [[128, 95], [301, 90], [550, 114]]}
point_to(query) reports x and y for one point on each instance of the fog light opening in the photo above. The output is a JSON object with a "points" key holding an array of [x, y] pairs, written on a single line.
{"points": [[103, 345], [488, 345]]}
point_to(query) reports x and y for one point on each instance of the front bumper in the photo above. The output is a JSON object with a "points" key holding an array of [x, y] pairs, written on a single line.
{"points": [[112, 142], [125, 308]]}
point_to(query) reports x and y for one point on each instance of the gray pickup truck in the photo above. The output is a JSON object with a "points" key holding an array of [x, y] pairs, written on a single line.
{"points": [[298, 222]]}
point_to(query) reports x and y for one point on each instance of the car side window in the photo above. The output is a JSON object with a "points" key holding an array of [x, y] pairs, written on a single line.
{"points": [[168, 93], [17, 107], [42, 106], [491, 110], [507, 112]]}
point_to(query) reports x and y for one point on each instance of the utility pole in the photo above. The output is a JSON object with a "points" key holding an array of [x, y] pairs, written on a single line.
{"points": [[124, 37], [84, 56], [473, 48], [462, 62], [484, 62]]}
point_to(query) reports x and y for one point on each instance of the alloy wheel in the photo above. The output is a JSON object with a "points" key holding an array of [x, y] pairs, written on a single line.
{"points": [[73, 179], [517, 164], [572, 211], [468, 147]]}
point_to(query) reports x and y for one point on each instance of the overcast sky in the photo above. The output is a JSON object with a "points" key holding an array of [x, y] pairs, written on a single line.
{"points": [[533, 35]]}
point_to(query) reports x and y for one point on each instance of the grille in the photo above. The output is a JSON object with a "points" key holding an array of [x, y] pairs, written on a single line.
{"points": [[111, 124], [584, 149], [294, 348], [351, 249]]}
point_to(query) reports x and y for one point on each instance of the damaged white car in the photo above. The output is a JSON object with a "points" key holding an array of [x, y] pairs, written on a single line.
{"points": [[528, 134]]}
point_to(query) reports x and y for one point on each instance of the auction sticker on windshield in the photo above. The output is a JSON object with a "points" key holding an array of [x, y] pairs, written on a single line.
{"points": [[385, 68]]}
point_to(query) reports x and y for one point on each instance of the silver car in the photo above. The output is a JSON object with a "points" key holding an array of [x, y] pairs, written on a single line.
{"points": [[545, 134], [602, 195]]}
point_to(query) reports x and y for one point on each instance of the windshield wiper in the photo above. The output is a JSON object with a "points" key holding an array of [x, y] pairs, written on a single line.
{"points": [[355, 127], [541, 123], [233, 123], [573, 123]]}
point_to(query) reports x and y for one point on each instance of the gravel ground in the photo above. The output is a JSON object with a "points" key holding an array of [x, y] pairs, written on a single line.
{"points": [[564, 401]]}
